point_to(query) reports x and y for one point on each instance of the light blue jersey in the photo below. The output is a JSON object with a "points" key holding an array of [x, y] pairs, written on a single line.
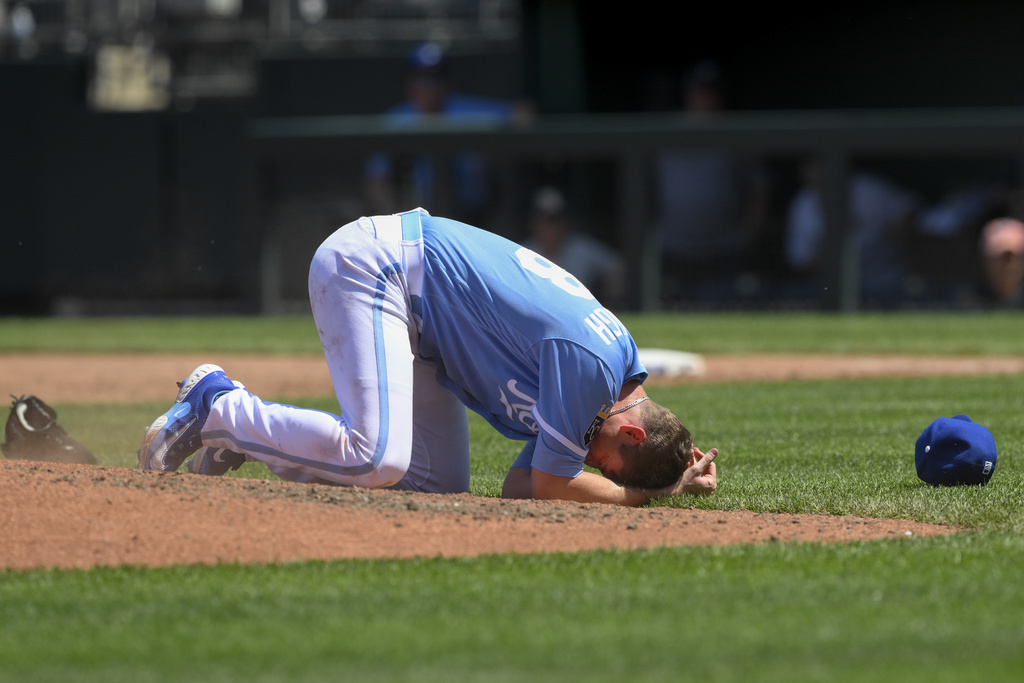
{"points": [[521, 342]]}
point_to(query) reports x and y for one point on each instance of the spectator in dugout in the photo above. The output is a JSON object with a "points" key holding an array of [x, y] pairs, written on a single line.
{"points": [[554, 235], [711, 207], [1002, 253], [430, 97]]}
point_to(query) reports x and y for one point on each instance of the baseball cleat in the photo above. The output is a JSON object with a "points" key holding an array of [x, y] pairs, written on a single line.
{"points": [[214, 461], [175, 435]]}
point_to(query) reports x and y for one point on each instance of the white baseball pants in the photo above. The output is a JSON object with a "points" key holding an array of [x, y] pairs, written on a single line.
{"points": [[398, 426]]}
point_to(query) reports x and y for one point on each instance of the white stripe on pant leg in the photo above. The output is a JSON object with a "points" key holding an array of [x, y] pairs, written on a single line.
{"points": [[280, 435], [363, 321], [318, 444]]}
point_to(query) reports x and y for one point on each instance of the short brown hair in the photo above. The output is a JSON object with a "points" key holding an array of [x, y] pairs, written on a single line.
{"points": [[661, 458]]}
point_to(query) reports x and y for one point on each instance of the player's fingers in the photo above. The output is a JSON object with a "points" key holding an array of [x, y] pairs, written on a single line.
{"points": [[705, 461]]}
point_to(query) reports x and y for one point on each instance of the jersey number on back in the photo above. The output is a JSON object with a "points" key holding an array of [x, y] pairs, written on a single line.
{"points": [[561, 278]]}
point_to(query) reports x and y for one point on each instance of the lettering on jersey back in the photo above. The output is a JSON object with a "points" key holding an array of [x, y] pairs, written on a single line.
{"points": [[606, 325]]}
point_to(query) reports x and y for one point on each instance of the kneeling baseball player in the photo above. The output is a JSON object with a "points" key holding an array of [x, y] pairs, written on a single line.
{"points": [[419, 318]]}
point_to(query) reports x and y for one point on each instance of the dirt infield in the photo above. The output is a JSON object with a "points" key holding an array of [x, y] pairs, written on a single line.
{"points": [[82, 516], [68, 378]]}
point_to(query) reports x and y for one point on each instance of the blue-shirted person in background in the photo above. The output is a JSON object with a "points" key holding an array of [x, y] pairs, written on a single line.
{"points": [[431, 99], [419, 318]]}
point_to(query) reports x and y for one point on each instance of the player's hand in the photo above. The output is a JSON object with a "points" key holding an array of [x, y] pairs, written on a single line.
{"points": [[700, 477]]}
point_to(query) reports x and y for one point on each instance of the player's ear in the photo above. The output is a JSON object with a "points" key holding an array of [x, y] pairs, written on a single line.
{"points": [[634, 432]]}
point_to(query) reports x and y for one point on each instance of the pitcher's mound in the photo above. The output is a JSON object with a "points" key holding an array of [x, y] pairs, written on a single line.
{"points": [[83, 516]]}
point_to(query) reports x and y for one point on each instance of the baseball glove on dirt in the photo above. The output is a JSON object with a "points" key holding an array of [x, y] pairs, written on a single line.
{"points": [[32, 433]]}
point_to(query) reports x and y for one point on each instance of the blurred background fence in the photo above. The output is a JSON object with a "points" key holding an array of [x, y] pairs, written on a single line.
{"points": [[187, 156]]}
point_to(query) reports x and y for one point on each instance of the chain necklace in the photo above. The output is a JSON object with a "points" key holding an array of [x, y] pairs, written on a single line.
{"points": [[629, 405]]}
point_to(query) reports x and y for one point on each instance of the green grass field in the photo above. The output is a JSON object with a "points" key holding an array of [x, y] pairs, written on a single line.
{"points": [[917, 609]]}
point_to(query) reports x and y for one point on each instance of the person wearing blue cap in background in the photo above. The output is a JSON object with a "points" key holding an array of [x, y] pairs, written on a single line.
{"points": [[955, 451], [430, 97]]}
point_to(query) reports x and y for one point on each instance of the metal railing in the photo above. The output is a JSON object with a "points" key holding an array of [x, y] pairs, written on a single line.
{"points": [[837, 138]]}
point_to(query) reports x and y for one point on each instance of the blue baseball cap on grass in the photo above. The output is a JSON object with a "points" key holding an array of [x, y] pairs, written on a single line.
{"points": [[954, 451]]}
